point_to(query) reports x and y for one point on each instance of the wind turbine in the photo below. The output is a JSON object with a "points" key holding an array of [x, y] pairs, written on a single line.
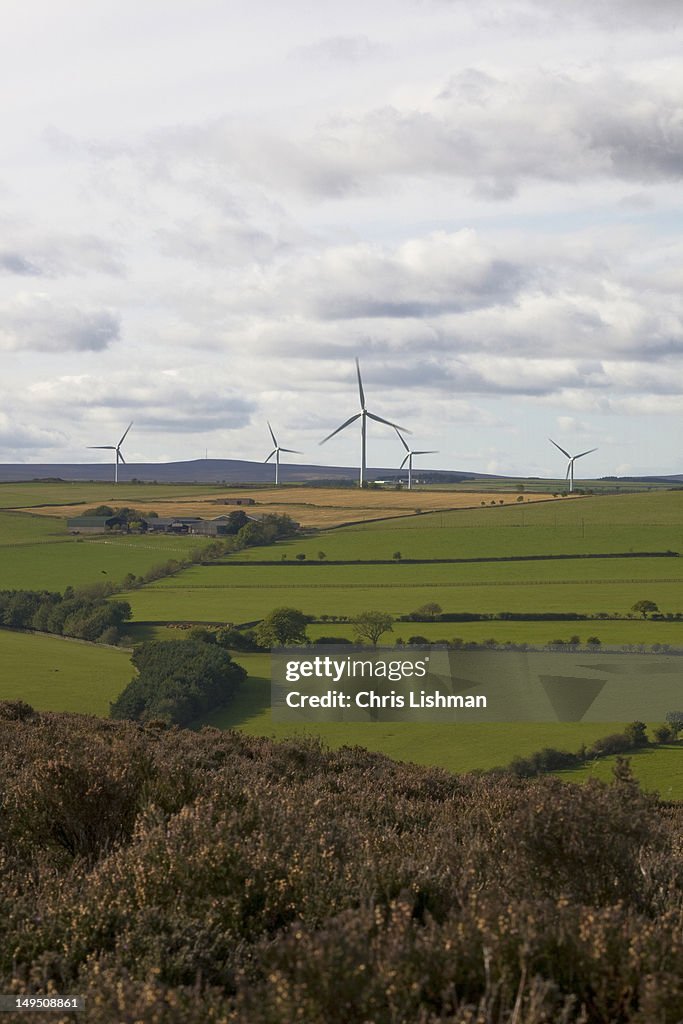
{"points": [[114, 448], [363, 417], [409, 458], [276, 452], [572, 459]]}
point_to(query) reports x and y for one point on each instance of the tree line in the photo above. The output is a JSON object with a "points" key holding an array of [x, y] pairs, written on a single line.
{"points": [[75, 614]]}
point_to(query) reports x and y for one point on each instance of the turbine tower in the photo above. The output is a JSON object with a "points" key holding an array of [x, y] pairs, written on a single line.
{"points": [[276, 452], [114, 448], [363, 417], [572, 459], [409, 458]]}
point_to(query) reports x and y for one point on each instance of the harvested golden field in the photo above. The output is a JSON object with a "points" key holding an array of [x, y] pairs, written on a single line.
{"points": [[313, 506]]}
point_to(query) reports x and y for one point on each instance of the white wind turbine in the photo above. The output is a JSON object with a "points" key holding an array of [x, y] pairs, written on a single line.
{"points": [[276, 452], [362, 416], [572, 459], [409, 458], [114, 448]]}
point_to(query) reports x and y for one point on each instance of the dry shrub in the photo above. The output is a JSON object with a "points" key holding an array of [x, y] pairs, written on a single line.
{"points": [[177, 877]]}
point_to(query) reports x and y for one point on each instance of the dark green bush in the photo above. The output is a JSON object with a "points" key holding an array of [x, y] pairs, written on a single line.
{"points": [[177, 681]]}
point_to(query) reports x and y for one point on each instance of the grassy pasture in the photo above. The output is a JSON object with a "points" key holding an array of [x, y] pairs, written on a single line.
{"points": [[558, 484], [459, 748], [56, 674], [20, 528], [52, 673], [245, 593], [659, 768], [610, 633], [54, 566], [590, 525]]}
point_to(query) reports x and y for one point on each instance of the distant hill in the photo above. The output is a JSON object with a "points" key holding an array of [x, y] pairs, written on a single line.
{"points": [[209, 471], [240, 471]]}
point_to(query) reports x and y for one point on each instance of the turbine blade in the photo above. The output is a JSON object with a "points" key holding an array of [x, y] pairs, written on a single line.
{"points": [[350, 420], [401, 439], [272, 434], [126, 431], [360, 386], [292, 451], [104, 447], [270, 456], [404, 461], [431, 452], [119, 457], [388, 422], [566, 475], [561, 449], [585, 453]]}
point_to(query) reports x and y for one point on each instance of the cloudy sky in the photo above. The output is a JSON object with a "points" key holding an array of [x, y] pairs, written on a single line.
{"points": [[208, 208]]}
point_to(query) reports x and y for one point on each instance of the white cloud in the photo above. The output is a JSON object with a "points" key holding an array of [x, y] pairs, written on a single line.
{"points": [[479, 201]]}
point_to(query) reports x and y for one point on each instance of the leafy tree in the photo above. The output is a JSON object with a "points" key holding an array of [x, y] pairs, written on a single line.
{"points": [[236, 639], [371, 625], [397, 556], [177, 681], [636, 733], [675, 720], [644, 608], [202, 634], [235, 521], [427, 611], [283, 626]]}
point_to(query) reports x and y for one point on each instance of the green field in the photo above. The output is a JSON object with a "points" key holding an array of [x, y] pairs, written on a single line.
{"points": [[76, 562], [244, 595], [611, 633], [458, 748], [615, 523], [56, 674], [20, 528], [659, 769]]}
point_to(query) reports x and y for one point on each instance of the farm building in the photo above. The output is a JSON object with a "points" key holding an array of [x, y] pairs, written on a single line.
{"points": [[93, 524], [237, 501]]}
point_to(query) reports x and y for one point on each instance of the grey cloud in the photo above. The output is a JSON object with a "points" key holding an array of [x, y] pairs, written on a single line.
{"points": [[160, 402], [15, 263], [35, 322], [429, 276], [220, 244], [37, 254], [492, 134], [656, 15], [15, 436]]}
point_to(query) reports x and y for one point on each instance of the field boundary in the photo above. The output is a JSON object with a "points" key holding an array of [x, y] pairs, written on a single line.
{"points": [[285, 563], [371, 585]]}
